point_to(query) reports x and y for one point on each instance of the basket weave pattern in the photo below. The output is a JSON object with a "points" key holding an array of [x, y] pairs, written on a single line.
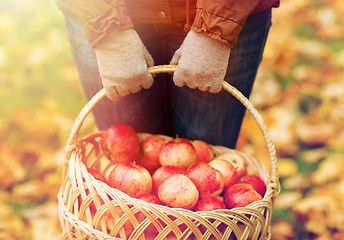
{"points": [[80, 193]]}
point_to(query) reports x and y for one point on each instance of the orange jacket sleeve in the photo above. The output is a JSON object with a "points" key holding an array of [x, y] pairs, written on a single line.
{"points": [[96, 17], [222, 19]]}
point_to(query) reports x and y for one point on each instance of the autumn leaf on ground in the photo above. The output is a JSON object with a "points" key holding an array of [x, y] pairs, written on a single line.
{"points": [[331, 168]]}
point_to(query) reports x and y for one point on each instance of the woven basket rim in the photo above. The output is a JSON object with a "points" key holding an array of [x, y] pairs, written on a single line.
{"points": [[77, 167]]}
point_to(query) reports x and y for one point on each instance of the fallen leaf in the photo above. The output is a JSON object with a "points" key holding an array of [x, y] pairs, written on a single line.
{"points": [[287, 167], [330, 169], [283, 230], [287, 199], [314, 155], [314, 133], [297, 182]]}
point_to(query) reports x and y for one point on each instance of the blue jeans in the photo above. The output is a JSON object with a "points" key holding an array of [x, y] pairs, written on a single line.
{"points": [[165, 108]]}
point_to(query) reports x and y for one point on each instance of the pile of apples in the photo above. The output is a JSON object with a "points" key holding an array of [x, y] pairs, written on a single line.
{"points": [[177, 172]]}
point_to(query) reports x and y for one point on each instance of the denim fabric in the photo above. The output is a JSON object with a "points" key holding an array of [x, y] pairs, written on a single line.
{"points": [[165, 108]]}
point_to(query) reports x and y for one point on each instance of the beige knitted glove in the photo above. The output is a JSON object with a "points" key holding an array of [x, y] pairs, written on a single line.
{"points": [[123, 61], [202, 62]]}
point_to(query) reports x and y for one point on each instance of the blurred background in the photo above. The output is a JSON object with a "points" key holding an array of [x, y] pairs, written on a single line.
{"points": [[299, 92]]}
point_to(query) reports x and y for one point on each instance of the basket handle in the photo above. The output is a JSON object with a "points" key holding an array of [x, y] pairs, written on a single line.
{"points": [[73, 136]]}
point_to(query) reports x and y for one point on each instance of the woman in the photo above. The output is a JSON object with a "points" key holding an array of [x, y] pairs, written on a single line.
{"points": [[113, 43]]}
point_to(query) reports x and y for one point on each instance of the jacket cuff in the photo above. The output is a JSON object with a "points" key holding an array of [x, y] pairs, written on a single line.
{"points": [[96, 28], [219, 28]]}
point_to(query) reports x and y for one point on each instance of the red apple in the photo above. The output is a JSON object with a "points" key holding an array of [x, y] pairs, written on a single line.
{"points": [[151, 231], [177, 152], [131, 179], [240, 195], [236, 160], [182, 228], [111, 221], [242, 229], [151, 149], [208, 180], [208, 204], [126, 225], [220, 197], [120, 143], [150, 198], [203, 150], [256, 182], [178, 191], [95, 174], [222, 229], [162, 173], [228, 171], [99, 177]]}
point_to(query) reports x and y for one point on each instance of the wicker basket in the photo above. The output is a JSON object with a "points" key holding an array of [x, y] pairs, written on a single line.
{"points": [[80, 192]]}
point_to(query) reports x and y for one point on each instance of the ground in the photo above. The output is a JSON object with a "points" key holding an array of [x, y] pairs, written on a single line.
{"points": [[299, 93]]}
